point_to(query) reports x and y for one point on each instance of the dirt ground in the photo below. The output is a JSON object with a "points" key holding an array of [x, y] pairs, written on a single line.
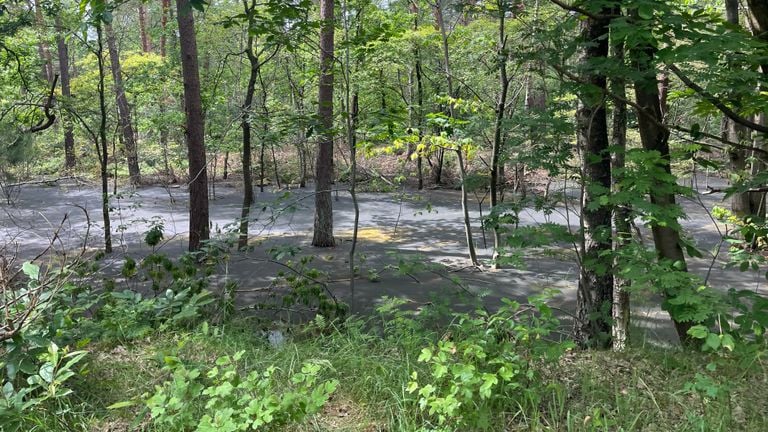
{"points": [[422, 226]]}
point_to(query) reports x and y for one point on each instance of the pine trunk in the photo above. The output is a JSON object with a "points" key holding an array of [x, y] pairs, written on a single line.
{"points": [[195, 134], [146, 41], [323, 229]]}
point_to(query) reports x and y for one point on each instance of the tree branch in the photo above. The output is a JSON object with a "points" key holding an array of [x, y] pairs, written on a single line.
{"points": [[717, 102], [49, 116]]}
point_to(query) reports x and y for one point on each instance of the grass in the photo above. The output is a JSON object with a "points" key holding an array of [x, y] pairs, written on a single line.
{"points": [[642, 389]]}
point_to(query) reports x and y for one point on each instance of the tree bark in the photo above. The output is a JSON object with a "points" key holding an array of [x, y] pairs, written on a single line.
{"points": [[417, 112], [622, 215], [101, 142], [166, 10], [245, 124], [498, 133], [732, 131], [123, 109], [146, 41], [195, 133], [595, 291], [655, 138], [69, 137], [42, 48], [438, 11], [758, 16], [323, 229]]}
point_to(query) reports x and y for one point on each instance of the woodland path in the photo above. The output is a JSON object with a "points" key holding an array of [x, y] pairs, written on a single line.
{"points": [[425, 226]]}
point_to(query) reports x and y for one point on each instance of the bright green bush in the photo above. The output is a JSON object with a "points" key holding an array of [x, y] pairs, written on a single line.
{"points": [[222, 398], [486, 364]]}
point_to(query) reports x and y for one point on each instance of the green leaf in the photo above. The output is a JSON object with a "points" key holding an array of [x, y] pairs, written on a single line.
{"points": [[728, 342], [645, 11], [31, 270], [426, 355], [698, 331], [46, 372], [712, 341], [123, 404]]}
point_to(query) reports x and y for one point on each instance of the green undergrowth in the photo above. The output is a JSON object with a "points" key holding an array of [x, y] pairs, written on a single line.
{"points": [[642, 389]]}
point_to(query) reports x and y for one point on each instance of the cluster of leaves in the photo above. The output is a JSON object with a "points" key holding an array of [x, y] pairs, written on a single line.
{"points": [[486, 361], [223, 398], [301, 285], [35, 366], [39, 359]]}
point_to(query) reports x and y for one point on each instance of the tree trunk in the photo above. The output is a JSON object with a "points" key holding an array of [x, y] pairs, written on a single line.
{"points": [[655, 138], [146, 41], [595, 291], [498, 133], [759, 23], [123, 109], [622, 214], [420, 93], [101, 142], [323, 229], [166, 10], [166, 6], [438, 11], [195, 134], [731, 131], [297, 99], [42, 48], [465, 209], [245, 124], [69, 137]]}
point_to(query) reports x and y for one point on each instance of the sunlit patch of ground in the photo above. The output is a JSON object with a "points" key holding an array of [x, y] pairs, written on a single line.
{"points": [[375, 235]]}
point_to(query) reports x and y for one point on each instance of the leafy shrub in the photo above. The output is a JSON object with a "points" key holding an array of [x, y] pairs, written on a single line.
{"points": [[33, 382], [128, 315], [222, 398], [300, 286], [484, 363]]}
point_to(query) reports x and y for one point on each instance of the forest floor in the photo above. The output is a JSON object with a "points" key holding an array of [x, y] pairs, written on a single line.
{"points": [[414, 226]]}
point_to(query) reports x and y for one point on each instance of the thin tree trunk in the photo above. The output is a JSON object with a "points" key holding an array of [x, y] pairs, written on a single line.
{"points": [[146, 41], [622, 214], [123, 109], [165, 5], [101, 147], [462, 170], [165, 12], [69, 137], [655, 138], [595, 290], [323, 227], [297, 100], [195, 133], [352, 139], [245, 124], [465, 210], [758, 15], [741, 204], [42, 48], [225, 174], [420, 95], [498, 133]]}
